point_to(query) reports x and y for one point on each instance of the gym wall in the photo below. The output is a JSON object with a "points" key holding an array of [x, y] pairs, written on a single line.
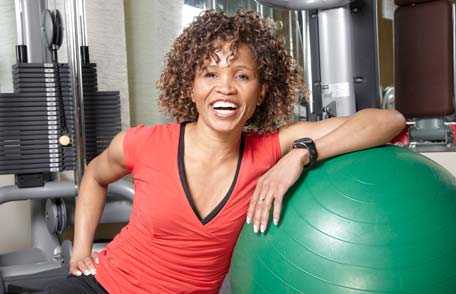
{"points": [[151, 27]]}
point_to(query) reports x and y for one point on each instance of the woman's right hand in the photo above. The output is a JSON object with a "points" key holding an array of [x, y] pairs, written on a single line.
{"points": [[84, 265]]}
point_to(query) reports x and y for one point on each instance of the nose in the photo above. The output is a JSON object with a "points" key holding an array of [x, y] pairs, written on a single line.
{"points": [[225, 85]]}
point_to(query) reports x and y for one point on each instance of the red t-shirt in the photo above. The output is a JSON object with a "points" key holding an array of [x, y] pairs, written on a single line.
{"points": [[166, 246]]}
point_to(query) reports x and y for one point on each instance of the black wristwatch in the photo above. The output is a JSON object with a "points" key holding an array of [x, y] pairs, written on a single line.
{"points": [[307, 143]]}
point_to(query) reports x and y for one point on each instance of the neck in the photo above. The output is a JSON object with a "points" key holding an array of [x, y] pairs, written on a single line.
{"points": [[210, 143]]}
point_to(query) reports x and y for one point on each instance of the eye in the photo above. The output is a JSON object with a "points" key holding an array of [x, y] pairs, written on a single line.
{"points": [[210, 74], [243, 77]]}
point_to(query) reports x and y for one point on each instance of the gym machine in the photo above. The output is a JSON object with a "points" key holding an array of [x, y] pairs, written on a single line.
{"points": [[341, 64], [424, 55], [340, 55], [55, 121]]}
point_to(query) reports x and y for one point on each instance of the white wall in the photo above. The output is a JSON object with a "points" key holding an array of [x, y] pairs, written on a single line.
{"points": [[108, 49], [151, 26], [445, 159]]}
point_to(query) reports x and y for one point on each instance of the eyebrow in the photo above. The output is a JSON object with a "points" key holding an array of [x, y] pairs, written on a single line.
{"points": [[236, 67]]}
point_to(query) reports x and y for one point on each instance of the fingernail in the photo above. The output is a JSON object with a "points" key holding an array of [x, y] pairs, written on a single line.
{"points": [[78, 273], [276, 222], [87, 273], [263, 228], [248, 220], [97, 261], [255, 229], [94, 271]]}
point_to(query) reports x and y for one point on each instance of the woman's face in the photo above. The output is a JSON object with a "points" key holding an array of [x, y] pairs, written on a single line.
{"points": [[227, 92]]}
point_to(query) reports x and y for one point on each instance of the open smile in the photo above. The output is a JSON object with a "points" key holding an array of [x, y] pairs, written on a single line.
{"points": [[224, 108]]}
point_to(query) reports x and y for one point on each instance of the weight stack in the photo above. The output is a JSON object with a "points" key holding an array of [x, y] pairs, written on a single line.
{"points": [[41, 109]]}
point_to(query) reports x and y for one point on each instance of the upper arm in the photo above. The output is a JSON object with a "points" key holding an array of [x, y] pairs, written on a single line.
{"points": [[313, 130], [110, 166]]}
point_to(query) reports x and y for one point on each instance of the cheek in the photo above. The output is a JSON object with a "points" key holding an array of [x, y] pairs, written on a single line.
{"points": [[252, 106]]}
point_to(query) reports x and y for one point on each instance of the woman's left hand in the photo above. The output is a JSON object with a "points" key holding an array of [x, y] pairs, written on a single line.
{"points": [[272, 186]]}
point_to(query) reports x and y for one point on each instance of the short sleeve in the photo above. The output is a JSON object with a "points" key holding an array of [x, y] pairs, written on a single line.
{"points": [[273, 141], [133, 142], [265, 147]]}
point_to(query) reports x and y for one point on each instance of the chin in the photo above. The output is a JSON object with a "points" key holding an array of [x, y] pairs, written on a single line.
{"points": [[224, 125]]}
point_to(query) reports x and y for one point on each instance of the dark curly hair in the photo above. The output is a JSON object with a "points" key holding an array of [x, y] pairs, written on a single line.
{"points": [[276, 68]]}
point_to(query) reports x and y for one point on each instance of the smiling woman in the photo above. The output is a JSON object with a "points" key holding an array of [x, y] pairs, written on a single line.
{"points": [[230, 85]]}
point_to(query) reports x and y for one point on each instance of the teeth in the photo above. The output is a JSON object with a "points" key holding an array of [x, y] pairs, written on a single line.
{"points": [[225, 111], [224, 104]]}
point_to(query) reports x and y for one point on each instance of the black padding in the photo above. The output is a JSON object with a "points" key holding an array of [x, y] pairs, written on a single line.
{"points": [[424, 59], [58, 28]]}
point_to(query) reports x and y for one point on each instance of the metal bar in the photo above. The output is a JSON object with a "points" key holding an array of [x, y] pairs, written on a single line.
{"points": [[290, 33], [73, 45], [19, 22], [120, 189], [82, 18], [307, 58]]}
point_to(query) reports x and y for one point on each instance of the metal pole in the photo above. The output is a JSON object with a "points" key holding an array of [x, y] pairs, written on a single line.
{"points": [[73, 45], [19, 22], [82, 19], [290, 33], [307, 58]]}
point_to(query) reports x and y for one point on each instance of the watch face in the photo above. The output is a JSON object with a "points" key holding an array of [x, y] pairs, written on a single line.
{"points": [[306, 140], [303, 143], [299, 145]]}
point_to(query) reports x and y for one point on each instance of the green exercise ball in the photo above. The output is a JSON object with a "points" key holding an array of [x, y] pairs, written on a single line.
{"points": [[381, 220]]}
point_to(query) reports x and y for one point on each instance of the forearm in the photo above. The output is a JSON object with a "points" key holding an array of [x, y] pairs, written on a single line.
{"points": [[367, 128], [89, 207]]}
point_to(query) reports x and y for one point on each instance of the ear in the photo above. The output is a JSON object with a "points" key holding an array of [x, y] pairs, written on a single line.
{"points": [[262, 95]]}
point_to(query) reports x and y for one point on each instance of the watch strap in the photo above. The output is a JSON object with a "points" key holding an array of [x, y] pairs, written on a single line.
{"points": [[309, 144]]}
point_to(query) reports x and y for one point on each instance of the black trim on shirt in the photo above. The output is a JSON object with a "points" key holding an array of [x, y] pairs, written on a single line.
{"points": [[186, 187]]}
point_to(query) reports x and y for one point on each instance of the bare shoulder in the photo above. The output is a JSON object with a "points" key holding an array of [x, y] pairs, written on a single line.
{"points": [[115, 152], [109, 166]]}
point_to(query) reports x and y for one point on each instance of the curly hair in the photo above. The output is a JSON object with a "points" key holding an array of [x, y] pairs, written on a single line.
{"points": [[276, 68]]}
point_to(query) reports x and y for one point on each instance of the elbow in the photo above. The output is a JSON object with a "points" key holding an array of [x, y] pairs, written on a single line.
{"points": [[391, 121], [398, 121]]}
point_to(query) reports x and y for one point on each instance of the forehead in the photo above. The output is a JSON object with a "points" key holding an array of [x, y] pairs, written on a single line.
{"points": [[224, 56]]}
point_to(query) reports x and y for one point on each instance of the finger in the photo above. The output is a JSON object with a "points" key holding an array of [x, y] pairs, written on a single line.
{"points": [[265, 211], [261, 202], [253, 203], [88, 261], [74, 270], [82, 267], [277, 209]]}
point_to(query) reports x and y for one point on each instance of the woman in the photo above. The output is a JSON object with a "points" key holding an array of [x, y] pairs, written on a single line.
{"points": [[233, 85]]}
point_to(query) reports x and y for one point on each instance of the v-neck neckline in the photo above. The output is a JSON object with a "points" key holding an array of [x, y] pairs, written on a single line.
{"points": [[184, 182]]}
